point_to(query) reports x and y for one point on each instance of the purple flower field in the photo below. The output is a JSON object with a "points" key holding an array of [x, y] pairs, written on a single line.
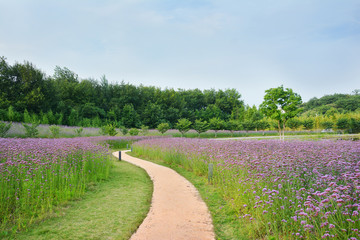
{"points": [[38, 174], [290, 190]]}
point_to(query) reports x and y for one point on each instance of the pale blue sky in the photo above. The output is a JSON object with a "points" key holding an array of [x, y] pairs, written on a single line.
{"points": [[311, 46]]}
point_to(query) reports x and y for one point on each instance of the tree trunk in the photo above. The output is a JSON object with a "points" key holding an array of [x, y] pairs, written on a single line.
{"points": [[279, 126], [284, 131]]}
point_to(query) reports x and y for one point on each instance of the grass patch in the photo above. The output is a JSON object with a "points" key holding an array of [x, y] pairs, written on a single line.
{"points": [[111, 209], [226, 225]]}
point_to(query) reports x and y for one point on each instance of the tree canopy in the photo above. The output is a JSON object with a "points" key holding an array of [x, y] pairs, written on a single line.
{"points": [[281, 105]]}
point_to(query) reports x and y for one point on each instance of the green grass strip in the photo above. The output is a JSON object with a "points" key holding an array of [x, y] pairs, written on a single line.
{"points": [[112, 209]]}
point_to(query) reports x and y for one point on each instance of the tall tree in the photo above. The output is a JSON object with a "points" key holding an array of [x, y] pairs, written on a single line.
{"points": [[281, 104]]}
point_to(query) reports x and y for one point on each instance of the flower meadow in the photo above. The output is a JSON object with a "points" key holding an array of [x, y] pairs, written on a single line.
{"points": [[281, 189], [38, 174]]}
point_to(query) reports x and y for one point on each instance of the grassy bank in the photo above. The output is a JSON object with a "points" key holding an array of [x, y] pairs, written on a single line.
{"points": [[110, 209]]}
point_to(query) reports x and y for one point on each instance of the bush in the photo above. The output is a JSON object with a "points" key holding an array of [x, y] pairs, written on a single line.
{"points": [[4, 128], [108, 130], [111, 130], [31, 131], [55, 131], [78, 131], [144, 130], [134, 132], [123, 130]]}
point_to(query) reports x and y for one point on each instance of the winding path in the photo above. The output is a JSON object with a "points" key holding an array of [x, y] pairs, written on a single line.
{"points": [[177, 210]]}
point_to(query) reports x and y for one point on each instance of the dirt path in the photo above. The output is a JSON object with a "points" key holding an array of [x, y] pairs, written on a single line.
{"points": [[177, 210]]}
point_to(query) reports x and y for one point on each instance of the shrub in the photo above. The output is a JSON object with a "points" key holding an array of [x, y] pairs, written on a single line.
{"points": [[134, 131], [144, 130], [55, 131], [31, 131], [123, 130], [78, 131]]}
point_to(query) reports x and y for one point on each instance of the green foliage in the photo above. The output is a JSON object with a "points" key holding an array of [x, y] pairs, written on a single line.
{"points": [[31, 130], [233, 125], [27, 117], [144, 130], [4, 128], [109, 129], [281, 105], [11, 114], [130, 118], [293, 123], [200, 126], [216, 124], [134, 131], [55, 131], [355, 125], [343, 123], [123, 130], [183, 125], [78, 131], [308, 124], [248, 125], [336, 102], [327, 125], [262, 124], [163, 127]]}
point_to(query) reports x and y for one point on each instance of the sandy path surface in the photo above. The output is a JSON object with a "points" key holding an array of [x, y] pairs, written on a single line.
{"points": [[177, 210]]}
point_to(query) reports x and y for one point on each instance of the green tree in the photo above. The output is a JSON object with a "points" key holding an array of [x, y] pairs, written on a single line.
{"points": [[130, 118], [355, 125], [248, 125], [216, 124], [27, 117], [11, 114], [183, 125], [163, 127], [343, 124], [293, 123], [308, 124], [327, 125], [200, 126], [281, 105], [51, 117], [262, 125], [232, 125], [152, 115]]}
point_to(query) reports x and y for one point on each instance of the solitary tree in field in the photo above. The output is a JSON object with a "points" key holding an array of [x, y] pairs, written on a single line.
{"points": [[281, 104]]}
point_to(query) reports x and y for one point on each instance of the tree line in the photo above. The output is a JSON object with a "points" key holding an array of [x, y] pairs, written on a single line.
{"points": [[29, 95]]}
